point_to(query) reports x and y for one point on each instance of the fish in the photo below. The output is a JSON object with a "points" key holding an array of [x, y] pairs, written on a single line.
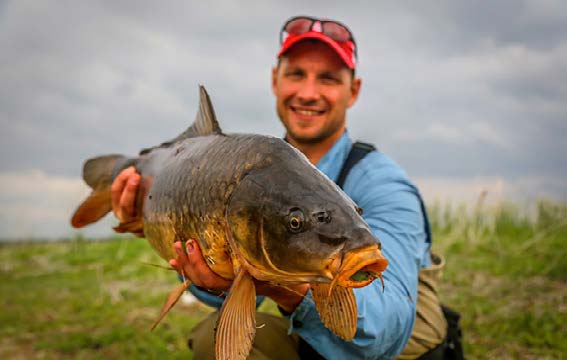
{"points": [[258, 209]]}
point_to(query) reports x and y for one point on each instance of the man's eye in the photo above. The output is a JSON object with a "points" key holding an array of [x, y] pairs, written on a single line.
{"points": [[330, 79], [294, 74]]}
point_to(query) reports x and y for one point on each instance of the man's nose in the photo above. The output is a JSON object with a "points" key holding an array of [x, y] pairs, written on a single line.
{"points": [[309, 91]]}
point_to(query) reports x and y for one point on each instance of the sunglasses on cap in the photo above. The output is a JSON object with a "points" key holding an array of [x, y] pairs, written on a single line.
{"points": [[334, 30]]}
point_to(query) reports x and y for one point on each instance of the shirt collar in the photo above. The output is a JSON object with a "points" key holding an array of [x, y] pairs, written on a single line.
{"points": [[332, 162]]}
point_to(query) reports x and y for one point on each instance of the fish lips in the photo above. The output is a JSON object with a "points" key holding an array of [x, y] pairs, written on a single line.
{"points": [[360, 267]]}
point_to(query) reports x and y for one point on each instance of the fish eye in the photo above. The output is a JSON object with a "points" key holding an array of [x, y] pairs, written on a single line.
{"points": [[296, 221], [359, 210]]}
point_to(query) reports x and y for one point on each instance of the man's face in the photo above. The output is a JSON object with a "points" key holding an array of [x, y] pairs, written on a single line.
{"points": [[313, 89]]}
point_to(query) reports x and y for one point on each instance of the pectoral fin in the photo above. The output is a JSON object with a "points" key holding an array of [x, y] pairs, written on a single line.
{"points": [[337, 311], [172, 299], [236, 326]]}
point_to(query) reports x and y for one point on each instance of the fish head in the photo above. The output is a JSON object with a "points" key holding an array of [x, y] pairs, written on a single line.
{"points": [[297, 226]]}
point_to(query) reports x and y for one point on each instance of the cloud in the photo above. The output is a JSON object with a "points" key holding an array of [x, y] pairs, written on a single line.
{"points": [[36, 205], [467, 191], [502, 105], [108, 77], [450, 133]]}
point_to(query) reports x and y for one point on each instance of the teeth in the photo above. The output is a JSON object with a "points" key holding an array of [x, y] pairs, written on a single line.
{"points": [[307, 112]]}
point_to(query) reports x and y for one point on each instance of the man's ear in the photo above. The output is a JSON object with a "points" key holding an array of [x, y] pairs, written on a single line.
{"points": [[354, 91], [274, 79]]}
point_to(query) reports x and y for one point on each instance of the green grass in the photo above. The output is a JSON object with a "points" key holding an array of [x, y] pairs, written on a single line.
{"points": [[85, 299], [506, 273]]}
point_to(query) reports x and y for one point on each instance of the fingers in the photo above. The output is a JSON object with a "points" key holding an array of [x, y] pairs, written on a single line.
{"points": [[128, 198], [192, 265], [174, 264], [118, 186], [123, 190]]}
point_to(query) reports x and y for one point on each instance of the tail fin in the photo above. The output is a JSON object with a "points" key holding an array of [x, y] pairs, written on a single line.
{"points": [[98, 173]]}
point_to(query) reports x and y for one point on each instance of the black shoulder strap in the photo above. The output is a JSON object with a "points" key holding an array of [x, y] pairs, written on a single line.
{"points": [[357, 152]]}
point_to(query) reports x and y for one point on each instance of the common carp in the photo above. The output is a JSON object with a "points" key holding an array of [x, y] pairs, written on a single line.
{"points": [[258, 210]]}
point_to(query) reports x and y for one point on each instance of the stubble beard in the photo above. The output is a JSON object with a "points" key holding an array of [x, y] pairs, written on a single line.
{"points": [[309, 140], [323, 134]]}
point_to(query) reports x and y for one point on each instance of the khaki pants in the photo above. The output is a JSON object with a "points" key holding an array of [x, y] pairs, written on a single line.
{"points": [[272, 341]]}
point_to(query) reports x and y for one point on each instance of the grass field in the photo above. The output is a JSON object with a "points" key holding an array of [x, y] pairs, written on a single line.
{"points": [[506, 273]]}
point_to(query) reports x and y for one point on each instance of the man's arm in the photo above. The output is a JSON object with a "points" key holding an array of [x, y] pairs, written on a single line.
{"points": [[392, 210]]}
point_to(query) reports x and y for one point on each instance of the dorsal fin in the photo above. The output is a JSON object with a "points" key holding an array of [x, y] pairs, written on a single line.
{"points": [[205, 122]]}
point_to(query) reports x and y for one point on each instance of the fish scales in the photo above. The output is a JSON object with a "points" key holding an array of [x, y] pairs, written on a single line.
{"points": [[216, 170]]}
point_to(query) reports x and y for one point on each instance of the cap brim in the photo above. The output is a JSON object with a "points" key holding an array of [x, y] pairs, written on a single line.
{"points": [[321, 37]]}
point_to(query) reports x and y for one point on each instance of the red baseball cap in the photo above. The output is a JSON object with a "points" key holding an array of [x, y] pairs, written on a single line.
{"points": [[336, 35]]}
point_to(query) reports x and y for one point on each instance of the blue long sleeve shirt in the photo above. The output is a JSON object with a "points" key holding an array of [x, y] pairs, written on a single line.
{"points": [[392, 208]]}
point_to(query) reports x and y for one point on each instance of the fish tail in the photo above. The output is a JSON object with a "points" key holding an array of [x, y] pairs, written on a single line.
{"points": [[99, 173]]}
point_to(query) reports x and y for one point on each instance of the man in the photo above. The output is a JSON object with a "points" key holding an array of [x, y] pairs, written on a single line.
{"points": [[314, 83]]}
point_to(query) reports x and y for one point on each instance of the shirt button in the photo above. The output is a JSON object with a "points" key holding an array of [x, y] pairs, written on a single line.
{"points": [[297, 324]]}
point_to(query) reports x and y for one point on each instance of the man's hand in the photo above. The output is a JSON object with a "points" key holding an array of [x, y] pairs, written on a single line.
{"points": [[124, 190], [192, 265]]}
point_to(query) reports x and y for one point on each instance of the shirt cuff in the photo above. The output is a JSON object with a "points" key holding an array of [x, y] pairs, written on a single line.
{"points": [[206, 297]]}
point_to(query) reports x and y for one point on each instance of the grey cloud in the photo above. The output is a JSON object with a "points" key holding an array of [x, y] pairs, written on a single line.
{"points": [[118, 76], [456, 27]]}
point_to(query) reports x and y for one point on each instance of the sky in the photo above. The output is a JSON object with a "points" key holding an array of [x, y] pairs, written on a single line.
{"points": [[465, 96]]}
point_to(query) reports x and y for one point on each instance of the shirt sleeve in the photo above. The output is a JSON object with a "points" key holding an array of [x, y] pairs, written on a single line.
{"points": [[385, 318]]}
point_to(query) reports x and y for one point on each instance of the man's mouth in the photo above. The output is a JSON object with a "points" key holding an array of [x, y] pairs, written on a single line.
{"points": [[306, 112]]}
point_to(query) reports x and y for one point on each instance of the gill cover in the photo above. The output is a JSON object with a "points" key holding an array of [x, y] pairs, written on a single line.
{"points": [[261, 216], [245, 225]]}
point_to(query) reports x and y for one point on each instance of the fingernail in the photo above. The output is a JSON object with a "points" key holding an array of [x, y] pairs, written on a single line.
{"points": [[134, 181], [190, 245]]}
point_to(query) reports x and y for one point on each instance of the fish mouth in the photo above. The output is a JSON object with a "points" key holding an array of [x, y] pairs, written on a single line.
{"points": [[360, 267]]}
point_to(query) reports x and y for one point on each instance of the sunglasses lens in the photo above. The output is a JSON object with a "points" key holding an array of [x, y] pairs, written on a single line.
{"points": [[336, 32], [298, 26]]}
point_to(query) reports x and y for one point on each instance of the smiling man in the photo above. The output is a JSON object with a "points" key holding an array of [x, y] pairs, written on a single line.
{"points": [[314, 84], [313, 90]]}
